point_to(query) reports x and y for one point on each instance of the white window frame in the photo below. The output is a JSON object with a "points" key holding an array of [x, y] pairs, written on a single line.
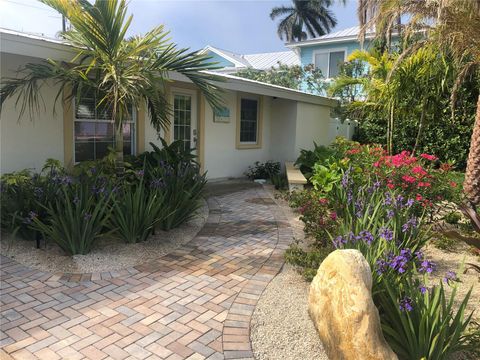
{"points": [[132, 121], [328, 51], [257, 134]]}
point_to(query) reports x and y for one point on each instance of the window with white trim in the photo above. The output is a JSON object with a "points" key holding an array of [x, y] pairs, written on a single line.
{"points": [[94, 130], [329, 63], [248, 121]]}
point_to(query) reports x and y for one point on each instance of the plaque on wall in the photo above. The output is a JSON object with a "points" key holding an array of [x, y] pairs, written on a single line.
{"points": [[222, 115]]}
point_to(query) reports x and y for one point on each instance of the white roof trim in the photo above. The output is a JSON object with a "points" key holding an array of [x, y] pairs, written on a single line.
{"points": [[222, 54], [236, 83]]}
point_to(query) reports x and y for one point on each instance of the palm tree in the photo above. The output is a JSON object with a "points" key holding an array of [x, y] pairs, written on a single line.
{"points": [[122, 71], [311, 15], [452, 25]]}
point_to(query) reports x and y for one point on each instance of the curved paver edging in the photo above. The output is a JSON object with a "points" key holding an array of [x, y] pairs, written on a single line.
{"points": [[196, 302]]}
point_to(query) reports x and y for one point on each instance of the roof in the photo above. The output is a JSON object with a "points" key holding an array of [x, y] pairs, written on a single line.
{"points": [[31, 45], [260, 61], [349, 34]]}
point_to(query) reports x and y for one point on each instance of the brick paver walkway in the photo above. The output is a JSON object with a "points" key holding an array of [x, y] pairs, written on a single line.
{"points": [[195, 303]]}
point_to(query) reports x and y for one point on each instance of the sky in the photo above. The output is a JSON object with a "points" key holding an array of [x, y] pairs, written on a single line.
{"points": [[241, 26]]}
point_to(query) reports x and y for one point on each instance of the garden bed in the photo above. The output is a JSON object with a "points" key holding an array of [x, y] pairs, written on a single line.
{"points": [[108, 254]]}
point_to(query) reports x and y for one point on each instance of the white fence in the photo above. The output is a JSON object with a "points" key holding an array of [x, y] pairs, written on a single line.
{"points": [[345, 129]]}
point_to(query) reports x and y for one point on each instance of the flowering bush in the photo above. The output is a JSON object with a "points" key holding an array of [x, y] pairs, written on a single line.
{"points": [[421, 177], [315, 211]]}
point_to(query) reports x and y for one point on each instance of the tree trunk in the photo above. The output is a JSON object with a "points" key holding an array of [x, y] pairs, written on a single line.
{"points": [[420, 130], [119, 147], [471, 186]]}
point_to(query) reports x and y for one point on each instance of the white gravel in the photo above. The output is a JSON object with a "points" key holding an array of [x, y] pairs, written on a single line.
{"points": [[281, 326], [107, 255]]}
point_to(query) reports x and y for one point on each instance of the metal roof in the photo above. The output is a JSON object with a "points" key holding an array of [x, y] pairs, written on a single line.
{"points": [[260, 61], [347, 34]]}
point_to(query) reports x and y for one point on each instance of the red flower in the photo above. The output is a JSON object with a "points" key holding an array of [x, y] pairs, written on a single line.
{"points": [[408, 179], [429, 157], [453, 184], [333, 216], [424, 184], [376, 164], [353, 151], [323, 201], [419, 170], [390, 185], [419, 197]]}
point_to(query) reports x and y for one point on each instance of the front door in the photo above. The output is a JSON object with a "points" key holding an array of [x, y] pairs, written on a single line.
{"points": [[185, 119]]}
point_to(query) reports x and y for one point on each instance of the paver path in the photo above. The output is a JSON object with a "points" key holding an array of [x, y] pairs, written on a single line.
{"points": [[195, 303]]}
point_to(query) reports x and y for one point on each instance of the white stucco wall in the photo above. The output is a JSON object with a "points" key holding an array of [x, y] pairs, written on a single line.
{"points": [[283, 129], [313, 123], [222, 159], [28, 142]]}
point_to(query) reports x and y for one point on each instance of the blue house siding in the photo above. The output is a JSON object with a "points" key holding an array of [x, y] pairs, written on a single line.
{"points": [[306, 52], [220, 60]]}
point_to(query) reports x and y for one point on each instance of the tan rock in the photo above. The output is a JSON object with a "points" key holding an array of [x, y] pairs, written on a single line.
{"points": [[341, 306]]}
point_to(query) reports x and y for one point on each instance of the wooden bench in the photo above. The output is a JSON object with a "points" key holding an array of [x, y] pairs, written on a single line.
{"points": [[295, 178]]}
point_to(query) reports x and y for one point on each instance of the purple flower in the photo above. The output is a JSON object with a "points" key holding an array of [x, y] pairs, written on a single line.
{"points": [[31, 215], [376, 184], [419, 255], [409, 202], [410, 224], [382, 266], [388, 199], [140, 173], [76, 200], [38, 192], [157, 183], [399, 201], [87, 216], [346, 179], [339, 241], [390, 214], [423, 289], [386, 233], [406, 304], [349, 197], [366, 236], [450, 276], [427, 267], [399, 263]]}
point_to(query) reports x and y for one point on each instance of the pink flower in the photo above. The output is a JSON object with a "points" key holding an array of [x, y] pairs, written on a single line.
{"points": [[408, 179], [333, 216], [453, 184], [424, 184], [429, 157], [418, 197], [323, 201], [390, 185], [376, 164], [419, 170]]}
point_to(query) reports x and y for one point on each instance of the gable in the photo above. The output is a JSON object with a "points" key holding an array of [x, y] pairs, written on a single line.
{"points": [[220, 60]]}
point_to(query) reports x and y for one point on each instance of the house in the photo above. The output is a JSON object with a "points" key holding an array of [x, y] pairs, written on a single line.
{"points": [[329, 51], [232, 62], [260, 122]]}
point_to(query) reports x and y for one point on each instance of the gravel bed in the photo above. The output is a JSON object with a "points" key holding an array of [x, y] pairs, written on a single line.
{"points": [[281, 328], [107, 254]]}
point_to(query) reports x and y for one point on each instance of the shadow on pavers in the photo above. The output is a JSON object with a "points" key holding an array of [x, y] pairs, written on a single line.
{"points": [[230, 186]]}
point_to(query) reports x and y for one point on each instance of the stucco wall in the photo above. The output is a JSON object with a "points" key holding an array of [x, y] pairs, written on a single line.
{"points": [[283, 128], [313, 123], [222, 159], [28, 142]]}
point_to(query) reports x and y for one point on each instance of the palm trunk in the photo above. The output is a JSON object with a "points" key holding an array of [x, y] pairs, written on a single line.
{"points": [[471, 186], [420, 130], [119, 147]]}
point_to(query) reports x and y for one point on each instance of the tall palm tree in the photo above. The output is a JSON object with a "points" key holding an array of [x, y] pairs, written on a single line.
{"points": [[122, 71], [311, 15], [452, 25]]}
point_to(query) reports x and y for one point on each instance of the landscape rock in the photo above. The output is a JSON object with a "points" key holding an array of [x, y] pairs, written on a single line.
{"points": [[342, 309]]}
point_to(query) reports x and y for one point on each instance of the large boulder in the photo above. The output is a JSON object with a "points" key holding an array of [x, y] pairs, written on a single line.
{"points": [[341, 306]]}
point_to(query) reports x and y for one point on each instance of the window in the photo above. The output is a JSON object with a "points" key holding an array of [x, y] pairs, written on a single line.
{"points": [[94, 132], [248, 121], [182, 119], [329, 62]]}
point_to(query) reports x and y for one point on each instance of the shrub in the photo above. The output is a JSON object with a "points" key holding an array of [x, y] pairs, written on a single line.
{"points": [[182, 189], [307, 261], [316, 214], [279, 181], [263, 170], [77, 216], [308, 158], [324, 177], [137, 212], [173, 155]]}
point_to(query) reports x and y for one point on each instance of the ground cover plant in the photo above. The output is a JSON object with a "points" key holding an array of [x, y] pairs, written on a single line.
{"points": [[74, 208], [382, 205]]}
